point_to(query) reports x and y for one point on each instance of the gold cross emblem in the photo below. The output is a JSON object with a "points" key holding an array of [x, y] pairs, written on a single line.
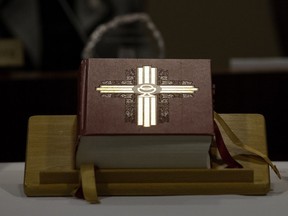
{"points": [[147, 90]]}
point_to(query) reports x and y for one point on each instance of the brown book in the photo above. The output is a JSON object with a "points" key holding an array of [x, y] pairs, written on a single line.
{"points": [[145, 113]]}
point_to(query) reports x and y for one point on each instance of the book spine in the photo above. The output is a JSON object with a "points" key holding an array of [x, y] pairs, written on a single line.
{"points": [[82, 97]]}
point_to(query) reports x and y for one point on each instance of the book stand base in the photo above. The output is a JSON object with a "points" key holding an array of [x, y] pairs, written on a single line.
{"points": [[49, 168]]}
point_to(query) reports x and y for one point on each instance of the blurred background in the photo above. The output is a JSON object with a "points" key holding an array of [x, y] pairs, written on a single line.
{"points": [[43, 42]]}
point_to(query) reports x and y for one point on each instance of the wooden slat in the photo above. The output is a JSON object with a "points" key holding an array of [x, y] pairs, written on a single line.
{"points": [[152, 176]]}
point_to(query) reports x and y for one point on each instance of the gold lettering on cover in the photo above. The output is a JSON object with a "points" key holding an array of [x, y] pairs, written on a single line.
{"points": [[147, 90]]}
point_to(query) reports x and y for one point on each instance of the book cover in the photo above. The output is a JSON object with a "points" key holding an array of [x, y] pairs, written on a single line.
{"points": [[153, 103]]}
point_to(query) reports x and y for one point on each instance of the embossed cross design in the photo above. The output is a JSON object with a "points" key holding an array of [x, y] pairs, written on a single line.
{"points": [[147, 90]]}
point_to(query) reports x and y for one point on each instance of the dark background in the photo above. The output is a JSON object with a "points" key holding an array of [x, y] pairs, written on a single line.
{"points": [[50, 87]]}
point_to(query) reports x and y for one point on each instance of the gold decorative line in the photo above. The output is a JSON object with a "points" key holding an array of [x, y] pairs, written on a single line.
{"points": [[153, 110], [154, 76], [178, 92], [178, 89], [116, 86], [140, 101], [140, 75], [147, 74], [147, 112], [116, 89]]}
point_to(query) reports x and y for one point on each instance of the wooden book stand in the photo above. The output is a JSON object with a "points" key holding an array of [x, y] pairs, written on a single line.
{"points": [[50, 168]]}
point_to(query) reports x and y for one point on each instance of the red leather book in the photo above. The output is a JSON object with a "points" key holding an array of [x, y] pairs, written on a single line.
{"points": [[146, 113]]}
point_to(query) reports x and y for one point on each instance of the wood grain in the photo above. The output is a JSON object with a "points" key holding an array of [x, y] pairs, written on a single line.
{"points": [[49, 169]]}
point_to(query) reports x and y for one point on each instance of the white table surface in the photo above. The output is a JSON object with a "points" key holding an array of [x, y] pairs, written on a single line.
{"points": [[14, 202]]}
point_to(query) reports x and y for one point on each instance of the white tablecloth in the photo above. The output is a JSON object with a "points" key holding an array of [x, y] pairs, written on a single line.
{"points": [[14, 202]]}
